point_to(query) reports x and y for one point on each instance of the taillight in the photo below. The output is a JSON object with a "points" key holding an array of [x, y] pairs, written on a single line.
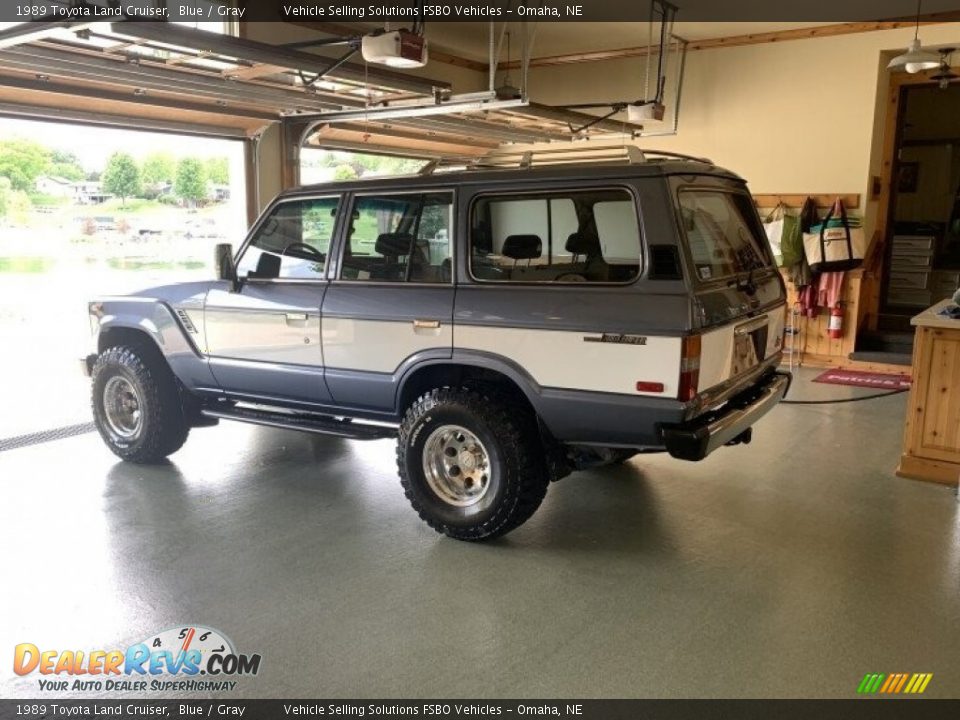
{"points": [[689, 367]]}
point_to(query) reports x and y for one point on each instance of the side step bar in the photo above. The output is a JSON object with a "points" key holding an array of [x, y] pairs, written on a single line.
{"points": [[321, 425]]}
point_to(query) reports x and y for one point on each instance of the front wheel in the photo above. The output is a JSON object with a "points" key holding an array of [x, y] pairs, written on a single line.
{"points": [[136, 405], [471, 464]]}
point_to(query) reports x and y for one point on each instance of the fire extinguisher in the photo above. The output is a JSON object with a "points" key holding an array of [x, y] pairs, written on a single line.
{"points": [[835, 328]]}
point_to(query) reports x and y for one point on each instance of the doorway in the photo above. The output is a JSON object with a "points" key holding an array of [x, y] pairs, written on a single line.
{"points": [[923, 253], [88, 211]]}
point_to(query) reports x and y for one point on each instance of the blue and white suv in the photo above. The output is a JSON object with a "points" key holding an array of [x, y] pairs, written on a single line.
{"points": [[507, 326]]}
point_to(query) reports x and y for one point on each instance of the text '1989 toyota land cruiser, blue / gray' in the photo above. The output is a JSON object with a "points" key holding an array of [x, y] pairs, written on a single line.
{"points": [[506, 325]]}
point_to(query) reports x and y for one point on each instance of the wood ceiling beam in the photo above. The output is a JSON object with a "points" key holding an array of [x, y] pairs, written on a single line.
{"points": [[741, 40], [371, 139]]}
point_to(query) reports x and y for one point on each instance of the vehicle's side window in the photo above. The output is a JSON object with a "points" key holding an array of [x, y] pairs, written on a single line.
{"points": [[571, 236], [292, 243], [400, 238]]}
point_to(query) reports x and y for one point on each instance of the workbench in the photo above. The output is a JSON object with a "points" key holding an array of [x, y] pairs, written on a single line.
{"points": [[931, 439]]}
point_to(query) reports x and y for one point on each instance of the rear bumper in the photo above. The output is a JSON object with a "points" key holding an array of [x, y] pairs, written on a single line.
{"points": [[696, 439]]}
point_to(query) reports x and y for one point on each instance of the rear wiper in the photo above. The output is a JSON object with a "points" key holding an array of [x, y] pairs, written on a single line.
{"points": [[747, 286]]}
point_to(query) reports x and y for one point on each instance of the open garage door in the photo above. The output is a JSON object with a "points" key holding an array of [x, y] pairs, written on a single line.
{"points": [[173, 84]]}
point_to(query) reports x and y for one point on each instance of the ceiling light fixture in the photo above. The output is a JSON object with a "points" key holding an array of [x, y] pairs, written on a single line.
{"points": [[915, 59]]}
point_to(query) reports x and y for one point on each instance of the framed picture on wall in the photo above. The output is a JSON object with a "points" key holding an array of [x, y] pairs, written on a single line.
{"points": [[907, 177]]}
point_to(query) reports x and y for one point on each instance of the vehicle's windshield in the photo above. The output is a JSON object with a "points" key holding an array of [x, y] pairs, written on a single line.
{"points": [[722, 233]]}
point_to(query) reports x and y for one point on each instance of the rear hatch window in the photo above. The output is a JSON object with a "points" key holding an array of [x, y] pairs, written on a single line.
{"points": [[723, 234]]}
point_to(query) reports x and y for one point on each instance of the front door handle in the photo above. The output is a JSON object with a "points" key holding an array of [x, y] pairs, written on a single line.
{"points": [[295, 317], [421, 324]]}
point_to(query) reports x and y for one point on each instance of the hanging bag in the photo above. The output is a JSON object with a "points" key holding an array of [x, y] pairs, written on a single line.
{"points": [[808, 215], [773, 226], [791, 242], [836, 244]]}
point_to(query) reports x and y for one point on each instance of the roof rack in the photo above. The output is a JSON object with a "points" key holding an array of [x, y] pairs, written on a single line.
{"points": [[595, 155]]}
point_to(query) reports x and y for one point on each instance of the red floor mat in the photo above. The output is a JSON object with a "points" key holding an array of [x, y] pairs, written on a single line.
{"points": [[856, 378]]}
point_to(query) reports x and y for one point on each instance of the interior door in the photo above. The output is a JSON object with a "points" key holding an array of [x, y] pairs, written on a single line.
{"points": [[391, 303], [263, 337]]}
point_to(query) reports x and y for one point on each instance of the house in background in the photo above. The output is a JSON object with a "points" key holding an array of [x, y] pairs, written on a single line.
{"points": [[89, 192], [54, 186], [218, 193]]}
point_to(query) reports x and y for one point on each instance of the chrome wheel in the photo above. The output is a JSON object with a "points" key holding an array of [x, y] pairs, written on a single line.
{"points": [[456, 465], [121, 406]]}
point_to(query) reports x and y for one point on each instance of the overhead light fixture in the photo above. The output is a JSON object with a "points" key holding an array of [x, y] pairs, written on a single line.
{"points": [[944, 75], [397, 49], [915, 59]]}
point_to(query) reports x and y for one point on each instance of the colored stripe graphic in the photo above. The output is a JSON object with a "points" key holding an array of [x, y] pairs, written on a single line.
{"points": [[894, 683], [903, 680]]}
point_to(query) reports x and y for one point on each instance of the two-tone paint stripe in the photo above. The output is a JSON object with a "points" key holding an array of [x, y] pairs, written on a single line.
{"points": [[894, 683]]}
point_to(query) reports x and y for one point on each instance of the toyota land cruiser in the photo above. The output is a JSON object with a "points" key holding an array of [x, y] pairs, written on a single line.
{"points": [[507, 326]]}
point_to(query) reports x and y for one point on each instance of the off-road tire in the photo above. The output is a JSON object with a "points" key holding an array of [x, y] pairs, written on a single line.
{"points": [[163, 427], [518, 479]]}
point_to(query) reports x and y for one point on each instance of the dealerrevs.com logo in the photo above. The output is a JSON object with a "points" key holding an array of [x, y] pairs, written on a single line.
{"points": [[191, 658]]}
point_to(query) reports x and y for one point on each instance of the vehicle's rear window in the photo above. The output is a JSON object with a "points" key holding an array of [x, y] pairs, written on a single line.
{"points": [[722, 233]]}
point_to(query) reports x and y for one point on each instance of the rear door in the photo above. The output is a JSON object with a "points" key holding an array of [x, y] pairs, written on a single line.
{"points": [[391, 302], [739, 294]]}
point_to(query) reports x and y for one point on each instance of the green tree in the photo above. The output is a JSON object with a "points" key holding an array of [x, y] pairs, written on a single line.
{"points": [[13, 203], [218, 170], [22, 162], [158, 168], [65, 164], [121, 176], [191, 183], [5, 192], [67, 171], [344, 172]]}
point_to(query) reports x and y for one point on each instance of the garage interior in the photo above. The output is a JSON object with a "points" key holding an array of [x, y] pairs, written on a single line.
{"points": [[801, 555]]}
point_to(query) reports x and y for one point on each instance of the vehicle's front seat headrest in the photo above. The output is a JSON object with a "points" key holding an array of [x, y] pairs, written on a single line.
{"points": [[522, 247], [393, 244], [268, 267]]}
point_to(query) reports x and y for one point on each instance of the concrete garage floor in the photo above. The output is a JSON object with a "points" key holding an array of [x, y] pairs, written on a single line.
{"points": [[790, 567]]}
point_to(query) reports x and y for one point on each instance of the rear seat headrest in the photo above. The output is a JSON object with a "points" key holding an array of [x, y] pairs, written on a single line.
{"points": [[583, 244], [522, 247]]}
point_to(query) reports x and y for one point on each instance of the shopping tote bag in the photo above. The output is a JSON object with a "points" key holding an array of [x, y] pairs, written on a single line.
{"points": [[837, 243]]}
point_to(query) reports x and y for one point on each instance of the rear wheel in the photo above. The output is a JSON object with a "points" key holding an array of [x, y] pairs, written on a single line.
{"points": [[136, 405], [471, 463]]}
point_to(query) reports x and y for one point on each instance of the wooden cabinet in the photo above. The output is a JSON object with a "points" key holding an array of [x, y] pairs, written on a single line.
{"points": [[931, 441]]}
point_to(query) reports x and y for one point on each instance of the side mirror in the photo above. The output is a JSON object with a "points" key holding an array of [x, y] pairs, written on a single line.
{"points": [[223, 260]]}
